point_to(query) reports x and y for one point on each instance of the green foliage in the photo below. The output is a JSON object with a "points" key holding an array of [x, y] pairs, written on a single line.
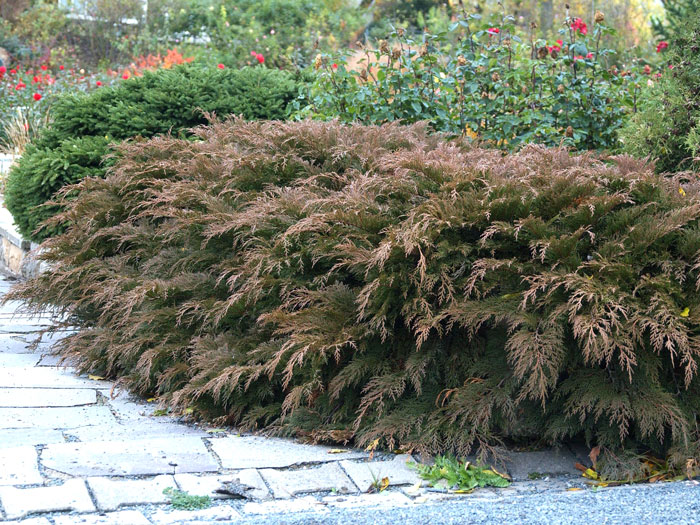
{"points": [[460, 476], [84, 125], [667, 126], [485, 82], [382, 284], [676, 14], [183, 501]]}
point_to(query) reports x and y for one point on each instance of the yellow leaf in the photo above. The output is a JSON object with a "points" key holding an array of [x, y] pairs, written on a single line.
{"points": [[150, 400], [383, 484], [590, 473], [215, 430], [681, 191], [461, 491], [572, 489], [685, 312], [189, 410], [338, 451], [95, 378]]}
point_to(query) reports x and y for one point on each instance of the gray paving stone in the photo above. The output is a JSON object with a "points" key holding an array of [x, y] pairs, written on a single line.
{"points": [[122, 517], [55, 418], [47, 377], [51, 360], [71, 496], [136, 430], [16, 437], [111, 494], [260, 452], [46, 397], [128, 458], [288, 483], [19, 466], [213, 514], [363, 473], [13, 345], [18, 360], [287, 506], [556, 462], [29, 521], [206, 485], [382, 499]]}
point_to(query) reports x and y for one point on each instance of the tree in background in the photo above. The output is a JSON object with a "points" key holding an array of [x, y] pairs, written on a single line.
{"points": [[676, 12]]}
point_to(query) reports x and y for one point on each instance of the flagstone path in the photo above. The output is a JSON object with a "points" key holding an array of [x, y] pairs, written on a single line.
{"points": [[72, 450]]}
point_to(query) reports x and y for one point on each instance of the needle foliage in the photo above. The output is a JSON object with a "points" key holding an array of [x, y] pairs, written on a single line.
{"points": [[378, 282]]}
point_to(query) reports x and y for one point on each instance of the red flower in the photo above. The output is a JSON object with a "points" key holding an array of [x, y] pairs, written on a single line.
{"points": [[578, 57], [21, 85], [560, 42], [647, 69], [44, 67], [589, 56], [260, 58], [580, 26], [335, 66], [36, 80], [3, 70], [98, 83], [125, 76], [220, 66], [13, 71], [61, 68], [670, 66], [37, 96], [493, 30], [661, 46], [658, 75], [254, 53]]}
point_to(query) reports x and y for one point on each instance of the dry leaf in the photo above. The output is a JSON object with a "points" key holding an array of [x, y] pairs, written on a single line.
{"points": [[572, 489], [580, 467], [593, 455], [338, 451], [95, 378]]}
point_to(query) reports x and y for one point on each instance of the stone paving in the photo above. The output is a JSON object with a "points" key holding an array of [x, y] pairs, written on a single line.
{"points": [[71, 453]]}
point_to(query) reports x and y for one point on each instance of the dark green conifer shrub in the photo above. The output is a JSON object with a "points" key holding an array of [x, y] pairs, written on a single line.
{"points": [[667, 126], [361, 283], [83, 127]]}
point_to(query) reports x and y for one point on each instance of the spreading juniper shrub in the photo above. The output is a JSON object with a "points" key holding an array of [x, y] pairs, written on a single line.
{"points": [[359, 283]]}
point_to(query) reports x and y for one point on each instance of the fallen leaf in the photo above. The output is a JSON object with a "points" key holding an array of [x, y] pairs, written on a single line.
{"points": [[150, 400], [338, 451], [593, 455], [681, 191], [502, 474], [685, 312], [572, 489], [95, 378], [215, 430], [189, 411], [590, 473], [580, 467], [383, 484]]}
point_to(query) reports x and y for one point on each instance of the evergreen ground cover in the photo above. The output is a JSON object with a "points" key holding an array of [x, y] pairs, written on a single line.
{"points": [[85, 126], [352, 283]]}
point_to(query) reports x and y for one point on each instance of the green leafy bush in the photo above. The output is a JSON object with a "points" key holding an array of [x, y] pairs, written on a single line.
{"points": [[84, 125], [667, 127], [381, 283], [493, 83], [461, 476]]}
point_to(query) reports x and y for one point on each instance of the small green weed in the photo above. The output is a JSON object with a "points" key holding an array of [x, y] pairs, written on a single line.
{"points": [[461, 476], [535, 475], [183, 501]]}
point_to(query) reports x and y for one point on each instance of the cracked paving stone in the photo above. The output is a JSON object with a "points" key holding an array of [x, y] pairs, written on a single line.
{"points": [[71, 496], [47, 377], [207, 485], [288, 483], [261, 452], [111, 494], [122, 517], [17, 437], [307, 503], [130, 458], [46, 397], [19, 466], [363, 473]]}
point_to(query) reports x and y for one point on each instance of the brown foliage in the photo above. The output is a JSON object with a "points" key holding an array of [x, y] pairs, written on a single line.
{"points": [[380, 282]]}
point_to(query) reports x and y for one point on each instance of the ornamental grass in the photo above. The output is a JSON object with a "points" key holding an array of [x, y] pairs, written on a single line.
{"points": [[361, 283]]}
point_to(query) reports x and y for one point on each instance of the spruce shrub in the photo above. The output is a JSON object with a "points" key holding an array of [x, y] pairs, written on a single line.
{"points": [[84, 125], [381, 283], [667, 126]]}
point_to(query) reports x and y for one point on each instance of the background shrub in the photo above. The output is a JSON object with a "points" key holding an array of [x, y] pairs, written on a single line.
{"points": [[84, 125], [361, 283], [667, 127]]}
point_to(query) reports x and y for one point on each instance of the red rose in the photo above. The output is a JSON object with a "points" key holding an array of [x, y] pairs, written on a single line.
{"points": [[37, 96], [580, 26], [661, 46], [61, 68], [13, 71], [125, 76], [589, 56], [44, 67], [335, 66], [493, 30], [3, 70], [21, 85], [260, 58], [254, 53], [36, 80], [560, 43], [220, 66], [647, 69], [98, 83]]}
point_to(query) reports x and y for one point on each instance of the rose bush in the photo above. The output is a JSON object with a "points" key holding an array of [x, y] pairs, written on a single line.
{"points": [[487, 82]]}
